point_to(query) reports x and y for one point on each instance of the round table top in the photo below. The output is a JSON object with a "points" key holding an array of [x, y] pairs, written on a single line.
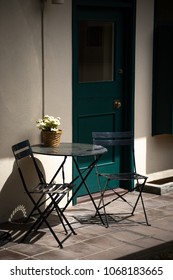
{"points": [[70, 149]]}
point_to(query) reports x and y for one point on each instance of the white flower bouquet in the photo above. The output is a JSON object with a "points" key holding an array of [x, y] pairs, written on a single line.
{"points": [[50, 131], [49, 123]]}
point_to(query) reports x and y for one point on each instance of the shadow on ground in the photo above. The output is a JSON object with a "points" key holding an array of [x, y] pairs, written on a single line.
{"points": [[159, 252]]}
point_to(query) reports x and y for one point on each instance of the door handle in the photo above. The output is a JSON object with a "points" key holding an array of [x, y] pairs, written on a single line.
{"points": [[117, 104]]}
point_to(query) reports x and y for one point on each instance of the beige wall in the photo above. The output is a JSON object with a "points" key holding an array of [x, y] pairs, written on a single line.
{"points": [[58, 75], [21, 86], [153, 153], [21, 90], [58, 64]]}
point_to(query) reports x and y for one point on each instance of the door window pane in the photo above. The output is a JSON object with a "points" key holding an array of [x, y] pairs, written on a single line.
{"points": [[96, 45]]}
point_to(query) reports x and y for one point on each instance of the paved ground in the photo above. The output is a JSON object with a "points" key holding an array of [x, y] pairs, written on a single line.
{"points": [[127, 239]]}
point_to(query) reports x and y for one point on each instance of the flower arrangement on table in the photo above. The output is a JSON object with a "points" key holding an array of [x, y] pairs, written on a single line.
{"points": [[51, 133]]}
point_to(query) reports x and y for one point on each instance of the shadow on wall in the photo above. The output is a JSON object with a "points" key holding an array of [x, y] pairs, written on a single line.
{"points": [[14, 201]]}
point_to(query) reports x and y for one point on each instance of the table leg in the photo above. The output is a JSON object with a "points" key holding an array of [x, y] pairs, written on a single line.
{"points": [[60, 167], [83, 181]]}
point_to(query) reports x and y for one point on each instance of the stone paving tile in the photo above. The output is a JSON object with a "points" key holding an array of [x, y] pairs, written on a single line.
{"points": [[7, 254], [56, 254], [29, 249], [82, 249], [168, 208], [50, 241], [95, 241], [169, 219], [164, 223], [75, 251], [126, 235], [114, 253], [154, 214], [147, 242], [156, 233], [162, 198], [7, 245], [104, 242], [164, 235]]}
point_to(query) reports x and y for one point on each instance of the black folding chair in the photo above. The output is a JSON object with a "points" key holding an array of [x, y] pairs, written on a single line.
{"points": [[45, 197], [127, 181]]}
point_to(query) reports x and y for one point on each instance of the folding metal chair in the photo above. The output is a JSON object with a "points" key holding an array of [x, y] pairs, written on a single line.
{"points": [[49, 195], [127, 181]]}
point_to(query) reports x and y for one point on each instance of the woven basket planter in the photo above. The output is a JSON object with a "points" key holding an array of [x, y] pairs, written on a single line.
{"points": [[51, 138]]}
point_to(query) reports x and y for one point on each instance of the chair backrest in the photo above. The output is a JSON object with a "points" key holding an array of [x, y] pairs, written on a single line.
{"points": [[21, 151], [113, 139]]}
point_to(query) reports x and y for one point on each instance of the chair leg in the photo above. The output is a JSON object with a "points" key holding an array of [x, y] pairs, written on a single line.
{"points": [[61, 215], [145, 211], [54, 200], [67, 222], [51, 230], [141, 187], [54, 205], [40, 204], [35, 208], [40, 220], [101, 202], [103, 205]]}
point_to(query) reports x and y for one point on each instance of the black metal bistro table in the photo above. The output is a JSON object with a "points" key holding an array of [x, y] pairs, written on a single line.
{"points": [[74, 150]]}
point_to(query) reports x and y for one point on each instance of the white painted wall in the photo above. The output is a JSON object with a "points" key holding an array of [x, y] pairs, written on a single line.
{"points": [[21, 86], [154, 154], [58, 64], [58, 76], [21, 89]]}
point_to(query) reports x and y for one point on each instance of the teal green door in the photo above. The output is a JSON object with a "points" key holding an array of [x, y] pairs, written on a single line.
{"points": [[100, 95]]}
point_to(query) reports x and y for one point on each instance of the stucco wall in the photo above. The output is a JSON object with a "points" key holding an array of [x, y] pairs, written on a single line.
{"points": [[153, 153], [21, 89], [58, 76]]}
